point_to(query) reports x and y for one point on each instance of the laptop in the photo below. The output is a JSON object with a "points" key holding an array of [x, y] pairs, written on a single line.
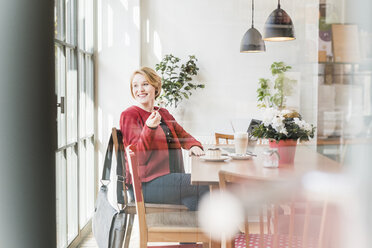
{"points": [[251, 145]]}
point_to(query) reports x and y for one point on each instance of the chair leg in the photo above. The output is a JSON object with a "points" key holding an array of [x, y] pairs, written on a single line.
{"points": [[230, 243], [143, 241], [125, 226], [129, 231]]}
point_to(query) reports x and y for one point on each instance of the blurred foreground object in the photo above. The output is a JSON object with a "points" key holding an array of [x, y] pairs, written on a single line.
{"points": [[220, 213], [287, 214]]}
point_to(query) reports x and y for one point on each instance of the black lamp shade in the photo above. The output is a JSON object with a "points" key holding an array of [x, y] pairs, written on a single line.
{"points": [[279, 26], [252, 42]]}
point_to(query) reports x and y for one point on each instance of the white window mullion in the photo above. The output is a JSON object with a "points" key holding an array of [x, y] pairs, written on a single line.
{"points": [[71, 101], [61, 200], [72, 194], [82, 96], [89, 38], [90, 184], [82, 185], [89, 96], [61, 94], [71, 21]]}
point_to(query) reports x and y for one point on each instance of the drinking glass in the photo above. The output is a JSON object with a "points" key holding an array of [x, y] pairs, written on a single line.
{"points": [[241, 142], [271, 158]]}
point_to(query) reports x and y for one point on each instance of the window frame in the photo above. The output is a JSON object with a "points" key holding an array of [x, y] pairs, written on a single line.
{"points": [[67, 36]]}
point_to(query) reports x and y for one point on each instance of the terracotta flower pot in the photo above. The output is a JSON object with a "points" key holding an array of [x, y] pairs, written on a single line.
{"points": [[286, 150]]}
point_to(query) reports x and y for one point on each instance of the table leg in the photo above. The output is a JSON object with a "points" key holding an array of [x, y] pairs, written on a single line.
{"points": [[213, 243]]}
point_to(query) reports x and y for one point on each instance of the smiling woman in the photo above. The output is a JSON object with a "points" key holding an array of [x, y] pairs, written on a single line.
{"points": [[144, 90], [158, 139]]}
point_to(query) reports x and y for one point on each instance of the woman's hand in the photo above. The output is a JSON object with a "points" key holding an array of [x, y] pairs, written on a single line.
{"points": [[154, 120], [196, 150]]}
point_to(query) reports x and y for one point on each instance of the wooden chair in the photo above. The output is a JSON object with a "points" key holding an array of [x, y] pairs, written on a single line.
{"points": [[226, 137], [278, 235], [177, 226], [128, 205]]}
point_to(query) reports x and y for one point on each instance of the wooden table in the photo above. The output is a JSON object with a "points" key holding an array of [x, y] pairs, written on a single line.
{"points": [[306, 160]]}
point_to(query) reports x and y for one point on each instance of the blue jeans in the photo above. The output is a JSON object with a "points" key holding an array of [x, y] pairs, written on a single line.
{"points": [[174, 188]]}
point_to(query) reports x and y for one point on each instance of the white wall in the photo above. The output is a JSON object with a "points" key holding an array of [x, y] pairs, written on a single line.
{"points": [[117, 55], [212, 30]]}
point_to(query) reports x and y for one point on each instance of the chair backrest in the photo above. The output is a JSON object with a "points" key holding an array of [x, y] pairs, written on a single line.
{"points": [[226, 137], [137, 187], [117, 138], [278, 204]]}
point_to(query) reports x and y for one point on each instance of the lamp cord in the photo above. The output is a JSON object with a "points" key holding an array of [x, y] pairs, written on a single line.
{"points": [[278, 4], [252, 13]]}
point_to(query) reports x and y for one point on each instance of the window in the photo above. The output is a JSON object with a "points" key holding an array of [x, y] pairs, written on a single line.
{"points": [[75, 177]]}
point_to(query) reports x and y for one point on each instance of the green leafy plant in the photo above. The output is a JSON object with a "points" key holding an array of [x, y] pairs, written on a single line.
{"points": [[283, 86], [177, 79]]}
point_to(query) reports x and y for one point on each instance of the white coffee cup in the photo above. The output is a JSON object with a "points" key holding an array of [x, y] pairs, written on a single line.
{"points": [[241, 142]]}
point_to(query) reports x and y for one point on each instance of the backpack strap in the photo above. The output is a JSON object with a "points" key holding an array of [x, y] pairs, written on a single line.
{"points": [[122, 197], [107, 163]]}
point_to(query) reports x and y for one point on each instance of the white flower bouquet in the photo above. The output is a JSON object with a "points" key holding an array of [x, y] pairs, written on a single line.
{"points": [[283, 125]]}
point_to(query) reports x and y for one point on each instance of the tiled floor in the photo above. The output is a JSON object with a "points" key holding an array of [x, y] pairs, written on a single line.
{"points": [[90, 242]]}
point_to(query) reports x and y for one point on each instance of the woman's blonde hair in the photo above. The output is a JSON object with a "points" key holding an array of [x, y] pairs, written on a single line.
{"points": [[151, 77]]}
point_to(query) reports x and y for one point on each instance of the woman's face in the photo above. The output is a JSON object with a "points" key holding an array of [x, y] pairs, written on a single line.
{"points": [[144, 93]]}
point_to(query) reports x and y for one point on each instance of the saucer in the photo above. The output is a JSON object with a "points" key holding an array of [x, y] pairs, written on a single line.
{"points": [[240, 156], [220, 159]]}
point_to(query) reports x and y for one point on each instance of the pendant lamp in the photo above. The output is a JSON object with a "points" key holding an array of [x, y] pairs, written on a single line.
{"points": [[279, 26], [252, 40]]}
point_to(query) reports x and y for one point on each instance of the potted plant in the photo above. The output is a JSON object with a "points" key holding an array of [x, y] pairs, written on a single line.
{"points": [[177, 79], [283, 128], [274, 95]]}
